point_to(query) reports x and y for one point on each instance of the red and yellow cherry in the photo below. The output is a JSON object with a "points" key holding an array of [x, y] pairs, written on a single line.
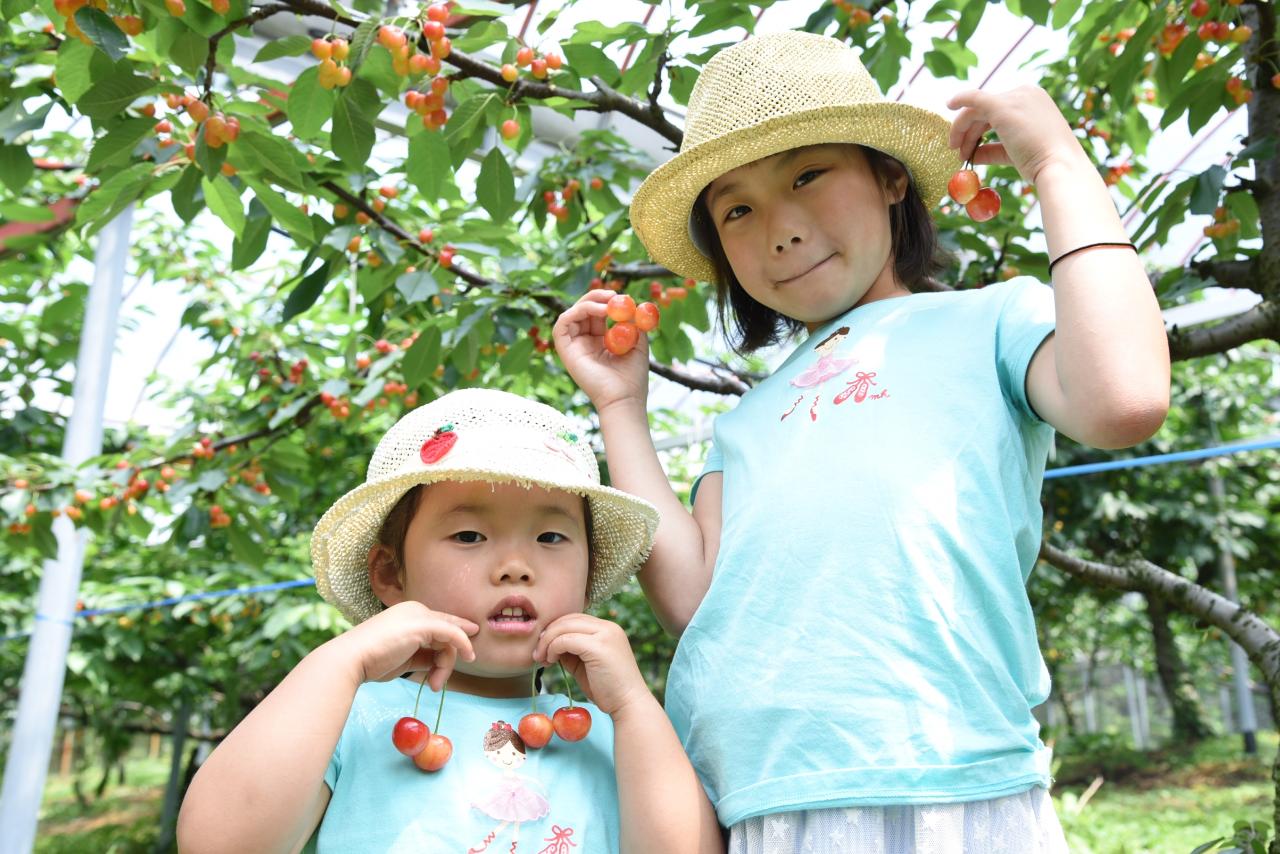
{"points": [[619, 340], [410, 736], [554, 61], [524, 56], [441, 48], [510, 72], [391, 37], [984, 205], [597, 183], [321, 48], [536, 730], [510, 129], [221, 7], [621, 309], [426, 235], [130, 25], [340, 49], [538, 68], [435, 755], [647, 317], [438, 12], [177, 8], [432, 30], [572, 723], [964, 185]]}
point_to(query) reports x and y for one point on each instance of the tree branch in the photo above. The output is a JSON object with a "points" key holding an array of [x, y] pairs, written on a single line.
{"points": [[717, 384], [1261, 321], [211, 60], [1231, 274], [1255, 637]]}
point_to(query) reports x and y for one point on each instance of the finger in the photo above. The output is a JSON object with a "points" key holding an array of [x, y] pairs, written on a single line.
{"points": [[577, 319], [443, 669], [584, 646], [557, 627], [969, 139], [992, 154], [468, 627], [967, 98], [447, 633]]}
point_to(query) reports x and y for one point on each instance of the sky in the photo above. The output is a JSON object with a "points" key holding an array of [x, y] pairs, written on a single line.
{"points": [[150, 339]]}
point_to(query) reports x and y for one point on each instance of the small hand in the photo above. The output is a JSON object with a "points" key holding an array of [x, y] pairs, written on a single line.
{"points": [[1032, 131], [410, 637], [598, 656], [579, 338]]}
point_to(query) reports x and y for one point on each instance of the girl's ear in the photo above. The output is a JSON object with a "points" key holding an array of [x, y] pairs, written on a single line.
{"points": [[384, 576], [897, 183]]}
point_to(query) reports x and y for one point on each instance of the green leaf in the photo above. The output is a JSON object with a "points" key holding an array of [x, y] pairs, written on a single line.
{"points": [[287, 46], [10, 9], [287, 411], [276, 156], [1208, 190], [224, 201], [294, 221], [16, 167], [74, 69], [496, 185], [18, 212], [246, 549], [481, 8], [1038, 11], [118, 143], [189, 51], [361, 41], [428, 164], [103, 32], [588, 60], [15, 120], [417, 286], [310, 104], [113, 196], [1133, 58], [421, 358], [352, 134], [253, 242], [112, 95], [209, 159], [465, 117], [187, 195], [304, 295]]}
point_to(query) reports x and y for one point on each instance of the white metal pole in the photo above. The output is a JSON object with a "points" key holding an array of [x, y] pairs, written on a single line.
{"points": [[40, 696]]}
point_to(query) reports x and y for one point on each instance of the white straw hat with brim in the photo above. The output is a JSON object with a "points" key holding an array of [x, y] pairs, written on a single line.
{"points": [[477, 435], [766, 95]]}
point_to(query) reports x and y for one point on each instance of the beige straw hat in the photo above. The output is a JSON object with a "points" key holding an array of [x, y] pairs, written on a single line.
{"points": [[468, 435], [766, 95]]}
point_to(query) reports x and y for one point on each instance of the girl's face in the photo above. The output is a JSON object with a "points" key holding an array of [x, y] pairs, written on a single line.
{"points": [[507, 558], [506, 756], [807, 231]]}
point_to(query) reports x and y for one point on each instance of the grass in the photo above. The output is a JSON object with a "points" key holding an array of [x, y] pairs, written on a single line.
{"points": [[1158, 802], [1162, 802]]}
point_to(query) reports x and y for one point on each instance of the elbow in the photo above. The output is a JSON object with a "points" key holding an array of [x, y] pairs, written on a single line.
{"points": [[1129, 422]]}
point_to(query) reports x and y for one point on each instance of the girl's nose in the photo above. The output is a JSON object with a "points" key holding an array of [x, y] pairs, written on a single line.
{"points": [[781, 247], [513, 569]]}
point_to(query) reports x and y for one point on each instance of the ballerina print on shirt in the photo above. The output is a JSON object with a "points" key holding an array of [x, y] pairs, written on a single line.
{"points": [[827, 366], [513, 798]]}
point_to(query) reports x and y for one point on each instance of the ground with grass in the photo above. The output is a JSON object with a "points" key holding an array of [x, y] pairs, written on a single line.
{"points": [[1157, 802]]}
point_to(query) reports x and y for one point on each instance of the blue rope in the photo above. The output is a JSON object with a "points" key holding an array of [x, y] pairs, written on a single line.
{"points": [[1051, 474]]}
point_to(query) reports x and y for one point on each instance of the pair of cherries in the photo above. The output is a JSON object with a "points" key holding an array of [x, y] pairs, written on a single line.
{"points": [[981, 203], [431, 751]]}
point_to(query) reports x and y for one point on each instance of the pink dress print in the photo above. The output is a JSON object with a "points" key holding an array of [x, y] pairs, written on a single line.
{"points": [[824, 369], [512, 800]]}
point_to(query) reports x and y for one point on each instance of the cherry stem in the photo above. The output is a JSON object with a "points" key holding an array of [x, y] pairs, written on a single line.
{"points": [[440, 710], [567, 681], [533, 690], [421, 685]]}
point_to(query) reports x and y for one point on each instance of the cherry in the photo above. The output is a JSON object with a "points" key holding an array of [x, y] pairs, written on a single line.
{"points": [[619, 340], [554, 61], [983, 206], [410, 736], [382, 345], [1199, 8], [964, 185], [340, 49], [433, 30], [438, 12], [435, 755], [647, 316], [426, 235], [321, 48], [164, 126], [597, 183], [524, 56], [536, 729], [621, 309], [446, 256], [572, 723], [510, 129], [539, 68], [510, 72], [177, 8], [391, 37]]}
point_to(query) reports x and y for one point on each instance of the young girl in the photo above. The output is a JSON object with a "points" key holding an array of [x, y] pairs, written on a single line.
{"points": [[858, 661], [463, 561]]}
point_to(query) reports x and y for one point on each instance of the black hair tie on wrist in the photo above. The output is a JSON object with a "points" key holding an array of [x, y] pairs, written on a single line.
{"points": [[1070, 252]]}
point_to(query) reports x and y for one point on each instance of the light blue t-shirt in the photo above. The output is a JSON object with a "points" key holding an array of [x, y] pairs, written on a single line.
{"points": [[552, 799], [867, 638]]}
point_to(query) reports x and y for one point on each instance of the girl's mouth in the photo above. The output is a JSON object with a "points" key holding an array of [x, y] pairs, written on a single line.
{"points": [[514, 615], [797, 278]]}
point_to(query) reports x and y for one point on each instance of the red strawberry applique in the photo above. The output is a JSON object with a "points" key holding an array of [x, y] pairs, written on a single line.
{"points": [[440, 443]]}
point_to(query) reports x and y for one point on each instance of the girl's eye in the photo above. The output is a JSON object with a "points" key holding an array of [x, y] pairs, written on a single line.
{"points": [[551, 538], [808, 176], [732, 213], [469, 537]]}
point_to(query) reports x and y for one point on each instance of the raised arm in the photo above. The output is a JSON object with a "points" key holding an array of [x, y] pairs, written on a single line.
{"points": [[263, 788], [678, 571], [1103, 377]]}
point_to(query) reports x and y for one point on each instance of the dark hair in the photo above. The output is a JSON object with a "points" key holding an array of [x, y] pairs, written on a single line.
{"points": [[915, 257], [392, 533], [501, 734]]}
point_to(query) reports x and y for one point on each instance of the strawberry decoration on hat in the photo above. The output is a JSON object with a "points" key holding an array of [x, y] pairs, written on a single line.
{"points": [[440, 443]]}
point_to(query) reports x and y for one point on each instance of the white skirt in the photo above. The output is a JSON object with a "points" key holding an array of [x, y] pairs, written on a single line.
{"points": [[1024, 823]]}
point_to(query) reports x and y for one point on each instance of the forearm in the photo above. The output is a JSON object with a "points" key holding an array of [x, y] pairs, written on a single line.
{"points": [[661, 803], [258, 790], [678, 570], [1111, 352]]}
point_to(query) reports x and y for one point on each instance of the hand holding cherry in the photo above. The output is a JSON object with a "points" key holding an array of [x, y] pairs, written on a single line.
{"points": [[571, 723], [629, 320], [414, 739]]}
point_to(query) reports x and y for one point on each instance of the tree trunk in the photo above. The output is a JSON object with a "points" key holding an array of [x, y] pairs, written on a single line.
{"points": [[1055, 678], [1189, 725]]}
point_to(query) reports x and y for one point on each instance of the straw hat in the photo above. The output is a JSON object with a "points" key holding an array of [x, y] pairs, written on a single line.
{"points": [[469, 435], [766, 95]]}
